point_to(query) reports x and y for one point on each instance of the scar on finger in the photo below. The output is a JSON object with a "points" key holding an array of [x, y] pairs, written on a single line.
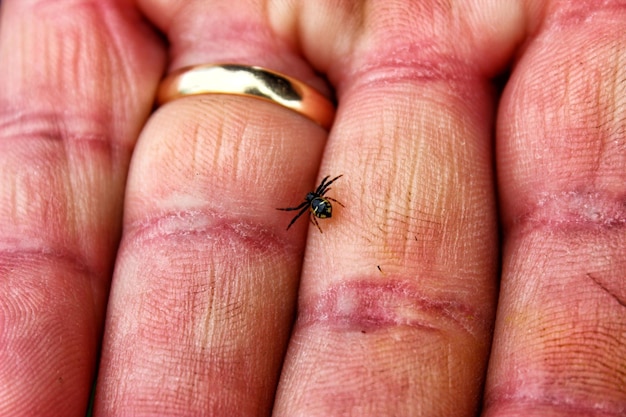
{"points": [[599, 284]]}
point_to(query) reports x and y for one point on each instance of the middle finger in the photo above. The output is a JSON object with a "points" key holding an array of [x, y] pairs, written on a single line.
{"points": [[397, 295]]}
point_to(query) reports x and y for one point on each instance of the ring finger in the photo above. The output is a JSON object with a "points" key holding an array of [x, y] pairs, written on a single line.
{"points": [[205, 283]]}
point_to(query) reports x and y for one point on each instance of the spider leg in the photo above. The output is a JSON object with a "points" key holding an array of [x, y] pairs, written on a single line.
{"points": [[335, 201], [298, 216], [294, 208], [322, 185], [323, 188], [314, 221]]}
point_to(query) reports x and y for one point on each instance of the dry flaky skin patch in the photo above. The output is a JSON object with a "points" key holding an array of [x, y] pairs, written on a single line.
{"points": [[571, 210], [371, 306]]}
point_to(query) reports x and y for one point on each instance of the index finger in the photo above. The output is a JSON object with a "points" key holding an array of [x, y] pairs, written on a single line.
{"points": [[560, 337]]}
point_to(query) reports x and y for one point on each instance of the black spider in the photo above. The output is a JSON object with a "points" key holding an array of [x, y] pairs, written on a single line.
{"points": [[318, 205]]}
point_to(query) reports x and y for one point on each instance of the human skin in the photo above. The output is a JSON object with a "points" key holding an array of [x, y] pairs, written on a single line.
{"points": [[145, 244]]}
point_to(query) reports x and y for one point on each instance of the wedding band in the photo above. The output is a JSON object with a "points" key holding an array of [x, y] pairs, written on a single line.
{"points": [[248, 81]]}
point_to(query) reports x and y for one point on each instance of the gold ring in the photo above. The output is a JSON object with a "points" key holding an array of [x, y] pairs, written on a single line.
{"points": [[248, 81]]}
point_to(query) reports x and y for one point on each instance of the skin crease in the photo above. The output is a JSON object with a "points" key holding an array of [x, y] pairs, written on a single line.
{"points": [[396, 309]]}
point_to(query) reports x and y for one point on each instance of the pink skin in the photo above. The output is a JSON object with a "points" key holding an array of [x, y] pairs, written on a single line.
{"points": [[216, 309], [560, 323], [366, 306], [64, 152]]}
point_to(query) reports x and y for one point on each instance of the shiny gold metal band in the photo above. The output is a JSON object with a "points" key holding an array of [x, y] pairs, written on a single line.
{"points": [[248, 81]]}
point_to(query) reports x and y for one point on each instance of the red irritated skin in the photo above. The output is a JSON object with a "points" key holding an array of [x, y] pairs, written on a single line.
{"points": [[216, 309]]}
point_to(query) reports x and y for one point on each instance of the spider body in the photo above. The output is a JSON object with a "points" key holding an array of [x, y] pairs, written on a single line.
{"points": [[318, 205]]}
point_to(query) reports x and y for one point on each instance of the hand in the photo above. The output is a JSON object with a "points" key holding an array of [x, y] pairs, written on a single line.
{"points": [[408, 303]]}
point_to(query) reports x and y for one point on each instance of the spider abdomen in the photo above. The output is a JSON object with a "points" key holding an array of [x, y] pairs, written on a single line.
{"points": [[321, 208]]}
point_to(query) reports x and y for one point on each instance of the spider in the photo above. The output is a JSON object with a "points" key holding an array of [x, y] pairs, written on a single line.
{"points": [[318, 205]]}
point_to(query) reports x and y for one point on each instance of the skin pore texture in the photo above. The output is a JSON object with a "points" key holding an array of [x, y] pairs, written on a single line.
{"points": [[476, 266]]}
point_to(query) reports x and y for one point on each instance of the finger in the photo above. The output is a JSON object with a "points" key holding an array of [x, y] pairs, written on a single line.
{"points": [[560, 340], [397, 296], [75, 83], [205, 284]]}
